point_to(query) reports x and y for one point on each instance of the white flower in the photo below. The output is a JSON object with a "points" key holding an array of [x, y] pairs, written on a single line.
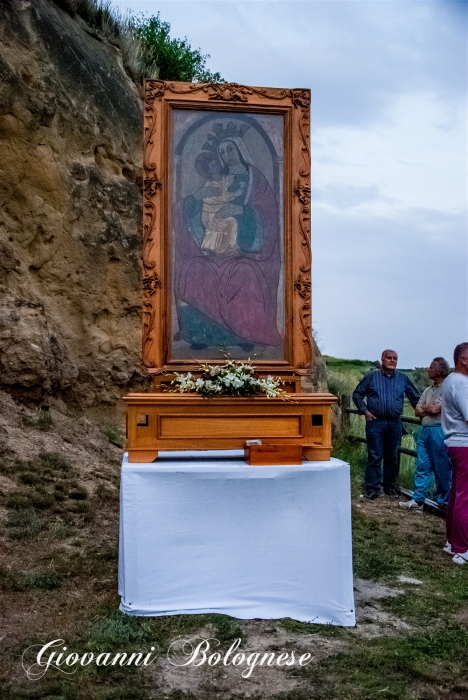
{"points": [[228, 379]]}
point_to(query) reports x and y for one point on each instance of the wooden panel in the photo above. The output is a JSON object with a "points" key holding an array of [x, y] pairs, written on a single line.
{"points": [[190, 422], [142, 456], [263, 455], [235, 426], [161, 97]]}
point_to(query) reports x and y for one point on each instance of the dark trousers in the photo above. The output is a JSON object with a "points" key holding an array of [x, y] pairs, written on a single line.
{"points": [[383, 440], [457, 509]]}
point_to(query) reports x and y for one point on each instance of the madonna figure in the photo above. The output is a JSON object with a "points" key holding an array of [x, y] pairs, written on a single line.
{"points": [[227, 250]]}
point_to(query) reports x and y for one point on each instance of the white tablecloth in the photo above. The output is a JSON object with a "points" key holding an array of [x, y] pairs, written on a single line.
{"points": [[203, 532]]}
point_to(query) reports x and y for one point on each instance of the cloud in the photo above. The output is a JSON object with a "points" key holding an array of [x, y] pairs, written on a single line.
{"points": [[356, 56], [389, 143], [343, 196], [398, 281]]}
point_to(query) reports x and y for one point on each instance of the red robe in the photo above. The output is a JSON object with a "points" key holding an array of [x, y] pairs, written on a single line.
{"points": [[238, 293]]}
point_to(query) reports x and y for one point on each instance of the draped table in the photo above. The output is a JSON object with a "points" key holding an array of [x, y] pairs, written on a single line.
{"points": [[203, 532]]}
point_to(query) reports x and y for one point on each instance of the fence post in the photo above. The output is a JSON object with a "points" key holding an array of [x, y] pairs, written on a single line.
{"points": [[345, 403]]}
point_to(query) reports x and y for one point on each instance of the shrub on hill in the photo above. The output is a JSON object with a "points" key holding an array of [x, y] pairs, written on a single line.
{"points": [[148, 51]]}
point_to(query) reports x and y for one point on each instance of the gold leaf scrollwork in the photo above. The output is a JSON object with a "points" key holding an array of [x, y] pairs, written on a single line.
{"points": [[302, 192], [232, 92], [154, 89], [303, 286], [151, 283], [301, 98], [151, 184], [148, 325]]}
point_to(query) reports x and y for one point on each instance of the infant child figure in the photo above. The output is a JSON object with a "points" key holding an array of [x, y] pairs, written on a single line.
{"points": [[220, 233]]}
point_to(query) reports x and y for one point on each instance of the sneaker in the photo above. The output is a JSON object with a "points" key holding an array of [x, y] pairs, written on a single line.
{"points": [[391, 493], [460, 558], [371, 496], [447, 548], [413, 505]]}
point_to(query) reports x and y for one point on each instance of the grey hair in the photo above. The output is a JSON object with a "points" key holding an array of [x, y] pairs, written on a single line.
{"points": [[443, 365], [384, 352], [459, 351]]}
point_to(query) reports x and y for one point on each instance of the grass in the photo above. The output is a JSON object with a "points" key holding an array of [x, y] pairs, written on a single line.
{"points": [[39, 419], [45, 485], [24, 523], [430, 664], [60, 571], [42, 579], [113, 434], [114, 630], [106, 494]]}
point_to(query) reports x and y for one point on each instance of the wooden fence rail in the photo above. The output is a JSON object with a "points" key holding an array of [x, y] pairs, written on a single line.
{"points": [[347, 411]]}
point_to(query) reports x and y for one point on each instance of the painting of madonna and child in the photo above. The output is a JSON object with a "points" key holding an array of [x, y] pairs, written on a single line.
{"points": [[227, 235]]}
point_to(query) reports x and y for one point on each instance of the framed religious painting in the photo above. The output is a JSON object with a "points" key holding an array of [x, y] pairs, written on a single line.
{"points": [[226, 248]]}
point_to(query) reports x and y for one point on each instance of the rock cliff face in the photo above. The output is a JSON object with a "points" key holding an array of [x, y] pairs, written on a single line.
{"points": [[70, 212]]}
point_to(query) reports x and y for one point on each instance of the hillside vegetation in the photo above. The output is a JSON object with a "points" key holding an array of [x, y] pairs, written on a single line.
{"points": [[148, 50]]}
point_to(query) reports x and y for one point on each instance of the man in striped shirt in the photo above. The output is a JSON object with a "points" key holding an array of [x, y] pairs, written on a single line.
{"points": [[384, 390]]}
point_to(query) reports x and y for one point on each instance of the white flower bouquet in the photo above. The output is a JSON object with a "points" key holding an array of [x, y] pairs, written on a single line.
{"points": [[234, 378]]}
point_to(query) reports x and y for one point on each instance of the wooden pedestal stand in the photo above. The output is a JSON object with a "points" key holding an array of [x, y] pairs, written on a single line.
{"points": [[190, 422]]}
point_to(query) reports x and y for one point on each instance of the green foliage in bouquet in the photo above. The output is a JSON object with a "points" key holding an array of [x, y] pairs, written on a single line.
{"points": [[234, 378]]}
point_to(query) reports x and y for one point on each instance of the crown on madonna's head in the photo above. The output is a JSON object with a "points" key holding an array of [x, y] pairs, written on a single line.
{"points": [[220, 133]]}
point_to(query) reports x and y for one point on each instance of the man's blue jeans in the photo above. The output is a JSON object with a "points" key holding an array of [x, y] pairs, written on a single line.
{"points": [[432, 459], [383, 440]]}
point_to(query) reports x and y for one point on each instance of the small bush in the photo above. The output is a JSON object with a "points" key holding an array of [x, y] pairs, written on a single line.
{"points": [[40, 498], [107, 495], [15, 466], [24, 523], [78, 494], [113, 434], [50, 462], [60, 492], [6, 453], [29, 478], [115, 630], [18, 500], [107, 553], [45, 580], [170, 59], [83, 509], [226, 628], [39, 419]]}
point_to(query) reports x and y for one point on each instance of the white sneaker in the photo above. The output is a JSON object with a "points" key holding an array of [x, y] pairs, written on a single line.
{"points": [[460, 558], [414, 505], [447, 548]]}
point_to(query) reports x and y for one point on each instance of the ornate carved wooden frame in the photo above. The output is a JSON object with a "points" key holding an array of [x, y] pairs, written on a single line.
{"points": [[294, 104]]}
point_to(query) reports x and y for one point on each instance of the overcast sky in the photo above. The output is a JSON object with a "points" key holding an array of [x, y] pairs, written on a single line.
{"points": [[389, 151]]}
